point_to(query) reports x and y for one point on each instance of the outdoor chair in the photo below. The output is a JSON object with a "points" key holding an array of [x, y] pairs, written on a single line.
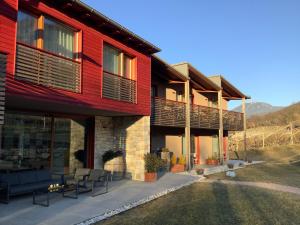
{"points": [[78, 179], [96, 178]]}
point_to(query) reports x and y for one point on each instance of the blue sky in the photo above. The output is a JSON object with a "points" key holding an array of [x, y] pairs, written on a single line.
{"points": [[255, 44]]}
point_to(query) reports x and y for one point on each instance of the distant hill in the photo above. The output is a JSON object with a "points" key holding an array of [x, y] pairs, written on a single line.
{"points": [[258, 108], [279, 118]]}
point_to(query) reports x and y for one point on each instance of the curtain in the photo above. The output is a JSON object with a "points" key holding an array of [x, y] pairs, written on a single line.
{"points": [[58, 38], [127, 66], [27, 29], [111, 60]]}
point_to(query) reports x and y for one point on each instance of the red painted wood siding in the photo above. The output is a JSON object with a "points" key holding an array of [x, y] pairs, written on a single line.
{"points": [[92, 43]]}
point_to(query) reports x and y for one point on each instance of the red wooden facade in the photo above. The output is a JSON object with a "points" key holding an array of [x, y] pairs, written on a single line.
{"points": [[91, 64]]}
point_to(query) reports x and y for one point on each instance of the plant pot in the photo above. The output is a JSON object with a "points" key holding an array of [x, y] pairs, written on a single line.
{"points": [[200, 171], [178, 168], [212, 162], [150, 177]]}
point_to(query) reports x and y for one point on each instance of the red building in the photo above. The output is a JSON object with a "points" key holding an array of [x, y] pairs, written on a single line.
{"points": [[75, 81]]}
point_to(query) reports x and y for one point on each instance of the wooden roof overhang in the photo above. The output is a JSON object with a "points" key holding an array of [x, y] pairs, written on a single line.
{"points": [[229, 91], [200, 82], [166, 72], [95, 19]]}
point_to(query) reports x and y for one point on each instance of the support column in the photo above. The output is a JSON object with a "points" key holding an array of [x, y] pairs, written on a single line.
{"points": [[188, 124], [221, 134], [245, 126]]}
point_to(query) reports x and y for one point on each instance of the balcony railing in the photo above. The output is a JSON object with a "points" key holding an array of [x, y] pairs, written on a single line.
{"points": [[2, 86], [204, 117], [118, 88], [41, 67], [167, 113], [233, 121]]}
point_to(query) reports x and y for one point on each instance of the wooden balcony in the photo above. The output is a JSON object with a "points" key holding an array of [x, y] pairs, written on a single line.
{"points": [[44, 68], [204, 117], [233, 121], [167, 113], [118, 88]]}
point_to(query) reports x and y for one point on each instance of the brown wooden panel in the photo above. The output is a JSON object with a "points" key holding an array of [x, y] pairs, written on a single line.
{"points": [[167, 113], [118, 88], [3, 59], [204, 117], [39, 67], [233, 121]]}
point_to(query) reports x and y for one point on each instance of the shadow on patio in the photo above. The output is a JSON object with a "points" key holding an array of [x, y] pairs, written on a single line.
{"points": [[21, 211]]}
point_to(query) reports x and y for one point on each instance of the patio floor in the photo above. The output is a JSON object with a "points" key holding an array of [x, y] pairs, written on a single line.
{"points": [[65, 211]]}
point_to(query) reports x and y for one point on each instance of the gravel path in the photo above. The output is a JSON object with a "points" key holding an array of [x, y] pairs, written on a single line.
{"points": [[270, 186]]}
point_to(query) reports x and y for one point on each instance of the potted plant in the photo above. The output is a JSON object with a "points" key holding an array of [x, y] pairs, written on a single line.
{"points": [[178, 164], [200, 171], [152, 165], [212, 161], [113, 161]]}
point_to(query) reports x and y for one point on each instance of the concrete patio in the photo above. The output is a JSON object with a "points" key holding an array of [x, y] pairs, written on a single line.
{"points": [[65, 211]]}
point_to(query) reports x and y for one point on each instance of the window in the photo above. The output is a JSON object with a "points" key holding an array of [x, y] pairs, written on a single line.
{"points": [[58, 38], [27, 29], [117, 62], [47, 34]]}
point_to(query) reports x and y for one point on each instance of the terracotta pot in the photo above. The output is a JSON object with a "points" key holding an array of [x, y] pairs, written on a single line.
{"points": [[150, 177], [178, 168], [212, 162]]}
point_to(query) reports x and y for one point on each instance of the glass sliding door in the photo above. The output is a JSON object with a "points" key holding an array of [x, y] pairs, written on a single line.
{"points": [[26, 141], [34, 141], [69, 145]]}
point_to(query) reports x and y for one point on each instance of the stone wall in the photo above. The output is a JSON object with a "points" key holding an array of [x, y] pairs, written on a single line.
{"points": [[130, 134], [104, 138]]}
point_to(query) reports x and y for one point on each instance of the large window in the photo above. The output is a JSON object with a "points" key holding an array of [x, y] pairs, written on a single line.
{"points": [[34, 141], [27, 29], [48, 34], [58, 38], [117, 62]]}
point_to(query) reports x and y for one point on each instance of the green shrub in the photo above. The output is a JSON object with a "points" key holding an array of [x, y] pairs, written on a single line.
{"points": [[153, 163], [110, 154]]}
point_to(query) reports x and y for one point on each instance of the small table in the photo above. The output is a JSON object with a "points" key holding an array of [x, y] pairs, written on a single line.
{"points": [[53, 188]]}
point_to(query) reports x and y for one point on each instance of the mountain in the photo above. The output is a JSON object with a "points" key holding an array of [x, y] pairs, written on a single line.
{"points": [[279, 118], [258, 108]]}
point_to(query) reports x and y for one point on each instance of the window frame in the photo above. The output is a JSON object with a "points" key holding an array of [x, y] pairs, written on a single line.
{"points": [[123, 53], [77, 35]]}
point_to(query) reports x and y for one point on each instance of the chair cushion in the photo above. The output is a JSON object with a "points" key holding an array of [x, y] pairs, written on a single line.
{"points": [[27, 177], [43, 175], [10, 178], [29, 187]]}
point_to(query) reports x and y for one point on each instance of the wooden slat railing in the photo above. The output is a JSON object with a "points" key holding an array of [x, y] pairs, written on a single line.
{"points": [[233, 121], [118, 88], [167, 113], [204, 117], [3, 58], [44, 68]]}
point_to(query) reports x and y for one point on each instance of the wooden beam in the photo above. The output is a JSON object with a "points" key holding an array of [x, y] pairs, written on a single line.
{"points": [[245, 126], [208, 91], [188, 124], [176, 82], [221, 134]]}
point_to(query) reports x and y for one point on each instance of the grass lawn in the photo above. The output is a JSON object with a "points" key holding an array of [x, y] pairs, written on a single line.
{"points": [[285, 174], [216, 203]]}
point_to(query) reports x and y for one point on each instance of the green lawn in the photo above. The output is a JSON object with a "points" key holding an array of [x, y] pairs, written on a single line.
{"points": [[216, 203]]}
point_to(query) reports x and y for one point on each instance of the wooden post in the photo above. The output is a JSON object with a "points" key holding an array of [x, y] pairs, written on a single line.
{"points": [[245, 126], [263, 139], [188, 124], [220, 106]]}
